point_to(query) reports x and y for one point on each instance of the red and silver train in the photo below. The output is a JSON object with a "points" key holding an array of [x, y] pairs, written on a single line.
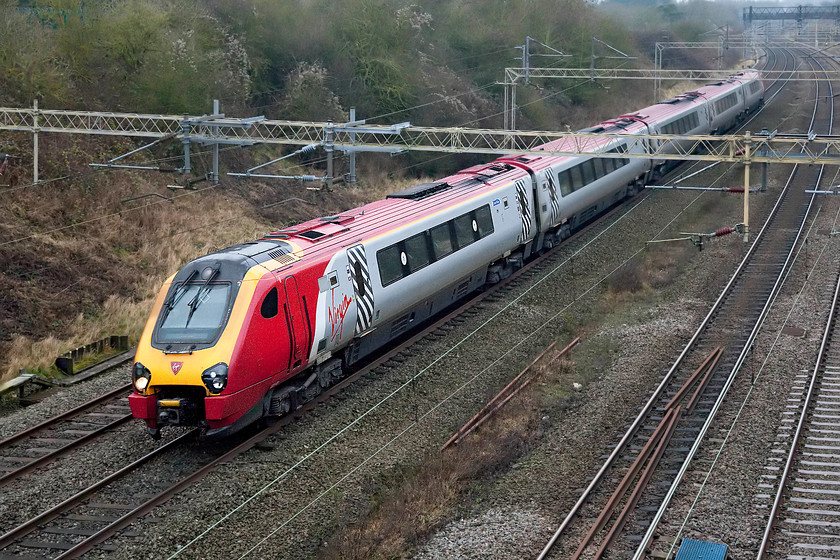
{"points": [[256, 329]]}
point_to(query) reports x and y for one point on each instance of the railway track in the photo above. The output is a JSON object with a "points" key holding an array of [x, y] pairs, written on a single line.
{"points": [[655, 451], [100, 531], [88, 519], [806, 484], [804, 516], [31, 449]]}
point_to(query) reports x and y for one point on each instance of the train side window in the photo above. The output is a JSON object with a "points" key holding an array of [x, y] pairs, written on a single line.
{"points": [[441, 240], [484, 219], [268, 308], [390, 267], [577, 178], [417, 252], [464, 234], [588, 172], [611, 164], [599, 168], [565, 182], [619, 162]]}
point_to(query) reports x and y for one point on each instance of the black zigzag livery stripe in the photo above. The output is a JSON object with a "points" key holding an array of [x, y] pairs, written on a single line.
{"points": [[362, 286], [524, 209], [552, 195]]}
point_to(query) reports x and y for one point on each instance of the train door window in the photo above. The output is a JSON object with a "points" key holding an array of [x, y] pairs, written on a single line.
{"points": [[390, 267], [441, 240], [417, 252], [484, 219], [565, 182], [268, 308], [360, 279], [610, 164], [464, 234]]}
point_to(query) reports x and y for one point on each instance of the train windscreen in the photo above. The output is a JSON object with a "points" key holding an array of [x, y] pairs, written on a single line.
{"points": [[194, 313]]}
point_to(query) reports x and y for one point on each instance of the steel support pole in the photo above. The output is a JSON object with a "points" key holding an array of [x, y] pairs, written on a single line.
{"points": [[747, 187], [506, 125], [764, 177], [215, 130], [351, 177], [35, 142], [657, 71], [526, 59], [513, 107], [329, 134], [185, 129]]}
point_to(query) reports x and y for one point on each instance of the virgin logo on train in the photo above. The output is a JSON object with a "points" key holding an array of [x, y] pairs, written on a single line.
{"points": [[176, 367]]}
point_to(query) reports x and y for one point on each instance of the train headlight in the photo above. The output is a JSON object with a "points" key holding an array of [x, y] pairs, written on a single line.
{"points": [[215, 378], [141, 376]]}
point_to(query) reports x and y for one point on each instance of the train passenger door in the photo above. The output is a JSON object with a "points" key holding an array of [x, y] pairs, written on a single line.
{"points": [[298, 322], [524, 200], [550, 195], [362, 287]]}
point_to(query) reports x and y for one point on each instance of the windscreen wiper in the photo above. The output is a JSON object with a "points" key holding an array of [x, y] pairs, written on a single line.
{"points": [[196, 300], [177, 294]]}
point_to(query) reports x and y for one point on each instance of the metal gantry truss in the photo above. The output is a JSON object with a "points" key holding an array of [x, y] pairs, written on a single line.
{"points": [[357, 136], [795, 13], [778, 148]]}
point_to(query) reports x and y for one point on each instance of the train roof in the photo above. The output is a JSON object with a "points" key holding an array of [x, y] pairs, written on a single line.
{"points": [[680, 103], [321, 237]]}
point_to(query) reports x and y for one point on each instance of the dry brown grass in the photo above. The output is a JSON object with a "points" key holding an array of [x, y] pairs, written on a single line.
{"points": [[657, 268], [421, 500], [81, 264], [101, 283]]}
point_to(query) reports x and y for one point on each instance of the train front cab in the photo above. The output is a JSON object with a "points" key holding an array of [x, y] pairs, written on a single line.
{"points": [[217, 341]]}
